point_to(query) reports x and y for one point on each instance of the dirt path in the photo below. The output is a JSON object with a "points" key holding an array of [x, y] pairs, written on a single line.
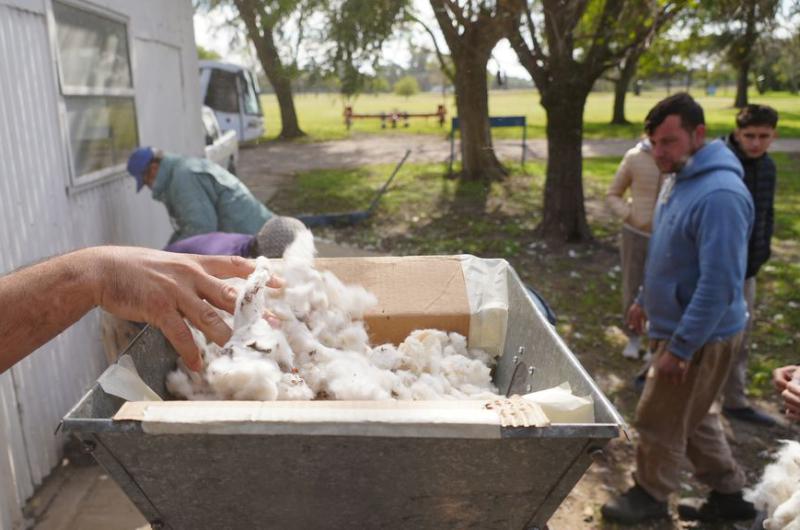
{"points": [[265, 168]]}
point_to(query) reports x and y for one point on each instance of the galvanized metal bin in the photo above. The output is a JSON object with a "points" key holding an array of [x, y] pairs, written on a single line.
{"points": [[266, 479]]}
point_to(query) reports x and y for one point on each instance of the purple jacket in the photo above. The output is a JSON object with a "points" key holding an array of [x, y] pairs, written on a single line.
{"points": [[214, 244]]}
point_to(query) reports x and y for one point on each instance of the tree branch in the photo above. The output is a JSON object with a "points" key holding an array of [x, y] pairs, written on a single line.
{"points": [[442, 64], [446, 24]]}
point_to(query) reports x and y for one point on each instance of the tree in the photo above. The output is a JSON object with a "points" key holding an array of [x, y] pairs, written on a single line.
{"points": [[406, 86], [666, 59], [626, 68], [354, 35], [577, 42], [263, 18], [472, 30], [741, 24], [206, 54]]}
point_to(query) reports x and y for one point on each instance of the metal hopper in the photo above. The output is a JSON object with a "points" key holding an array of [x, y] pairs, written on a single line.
{"points": [[344, 464]]}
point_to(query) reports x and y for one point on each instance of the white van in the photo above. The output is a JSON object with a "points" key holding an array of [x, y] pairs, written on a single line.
{"points": [[232, 91]]}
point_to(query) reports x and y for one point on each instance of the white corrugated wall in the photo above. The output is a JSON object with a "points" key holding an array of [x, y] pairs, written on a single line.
{"points": [[39, 218]]}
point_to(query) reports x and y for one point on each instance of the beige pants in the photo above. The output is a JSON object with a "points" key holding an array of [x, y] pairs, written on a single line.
{"points": [[734, 393], [676, 422], [633, 253]]}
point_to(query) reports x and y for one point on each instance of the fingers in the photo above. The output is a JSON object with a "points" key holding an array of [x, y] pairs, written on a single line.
{"points": [[205, 318], [791, 397], [217, 292], [178, 334], [227, 266]]}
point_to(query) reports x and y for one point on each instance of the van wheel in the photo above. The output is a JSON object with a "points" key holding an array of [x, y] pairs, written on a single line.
{"points": [[231, 166]]}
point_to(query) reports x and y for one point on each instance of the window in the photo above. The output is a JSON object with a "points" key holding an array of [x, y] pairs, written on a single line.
{"points": [[250, 97], [96, 84], [222, 94]]}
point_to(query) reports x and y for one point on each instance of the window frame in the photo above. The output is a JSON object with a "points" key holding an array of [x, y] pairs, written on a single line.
{"points": [[79, 182]]}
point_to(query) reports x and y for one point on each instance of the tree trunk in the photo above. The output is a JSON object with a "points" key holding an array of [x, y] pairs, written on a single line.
{"points": [[478, 159], [621, 89], [741, 84], [270, 61], [290, 128], [564, 217], [744, 56]]}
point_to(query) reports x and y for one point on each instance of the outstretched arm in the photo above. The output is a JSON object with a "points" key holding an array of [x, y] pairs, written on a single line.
{"points": [[160, 288]]}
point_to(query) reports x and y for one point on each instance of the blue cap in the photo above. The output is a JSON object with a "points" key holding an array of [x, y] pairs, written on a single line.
{"points": [[138, 162]]}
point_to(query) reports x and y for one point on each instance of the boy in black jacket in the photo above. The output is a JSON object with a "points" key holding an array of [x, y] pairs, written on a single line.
{"points": [[755, 131]]}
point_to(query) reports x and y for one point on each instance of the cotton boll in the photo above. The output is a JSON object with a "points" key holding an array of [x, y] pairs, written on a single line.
{"points": [[250, 305], [427, 387], [458, 342], [352, 338], [349, 379], [302, 248], [293, 388], [780, 481], [786, 515], [244, 379], [385, 357], [462, 372], [354, 299], [179, 385]]}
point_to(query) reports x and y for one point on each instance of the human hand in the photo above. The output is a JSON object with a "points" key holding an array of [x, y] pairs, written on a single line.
{"points": [[781, 376], [791, 400], [671, 367], [636, 318], [163, 288]]}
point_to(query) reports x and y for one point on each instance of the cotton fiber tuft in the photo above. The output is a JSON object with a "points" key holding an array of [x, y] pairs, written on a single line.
{"points": [[314, 345], [778, 492]]}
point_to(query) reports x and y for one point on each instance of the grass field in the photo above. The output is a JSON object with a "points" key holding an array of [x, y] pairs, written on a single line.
{"points": [[321, 114], [426, 213]]}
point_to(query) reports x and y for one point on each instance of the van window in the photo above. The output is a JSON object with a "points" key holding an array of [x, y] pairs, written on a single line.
{"points": [[250, 97], [222, 94]]}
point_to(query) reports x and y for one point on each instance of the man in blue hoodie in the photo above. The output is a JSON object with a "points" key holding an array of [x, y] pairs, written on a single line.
{"points": [[693, 298]]}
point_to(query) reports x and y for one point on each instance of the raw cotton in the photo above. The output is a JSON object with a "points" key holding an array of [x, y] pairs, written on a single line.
{"points": [[314, 345], [778, 492]]}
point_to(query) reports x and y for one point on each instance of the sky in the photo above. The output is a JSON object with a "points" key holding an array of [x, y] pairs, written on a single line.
{"points": [[212, 33]]}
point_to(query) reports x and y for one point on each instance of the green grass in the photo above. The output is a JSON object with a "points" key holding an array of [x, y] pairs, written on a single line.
{"points": [[320, 115], [427, 213]]}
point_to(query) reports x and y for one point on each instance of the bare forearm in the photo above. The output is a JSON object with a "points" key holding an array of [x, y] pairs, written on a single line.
{"points": [[39, 302]]}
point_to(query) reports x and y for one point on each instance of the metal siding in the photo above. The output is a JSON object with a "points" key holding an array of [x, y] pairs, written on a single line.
{"points": [[38, 218]]}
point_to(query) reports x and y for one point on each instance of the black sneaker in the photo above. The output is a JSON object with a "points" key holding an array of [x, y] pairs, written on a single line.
{"points": [[634, 506], [718, 507], [750, 415]]}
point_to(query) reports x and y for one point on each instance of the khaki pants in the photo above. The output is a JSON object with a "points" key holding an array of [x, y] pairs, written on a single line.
{"points": [[733, 393], [676, 422], [633, 254]]}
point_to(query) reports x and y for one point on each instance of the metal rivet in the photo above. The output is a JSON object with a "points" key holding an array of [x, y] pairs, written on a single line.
{"points": [[88, 446], [521, 350], [515, 359], [530, 370], [596, 453]]}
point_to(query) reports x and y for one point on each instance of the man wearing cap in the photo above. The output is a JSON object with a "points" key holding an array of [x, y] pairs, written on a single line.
{"points": [[200, 196]]}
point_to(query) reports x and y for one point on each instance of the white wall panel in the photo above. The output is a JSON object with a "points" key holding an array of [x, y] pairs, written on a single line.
{"points": [[40, 218]]}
